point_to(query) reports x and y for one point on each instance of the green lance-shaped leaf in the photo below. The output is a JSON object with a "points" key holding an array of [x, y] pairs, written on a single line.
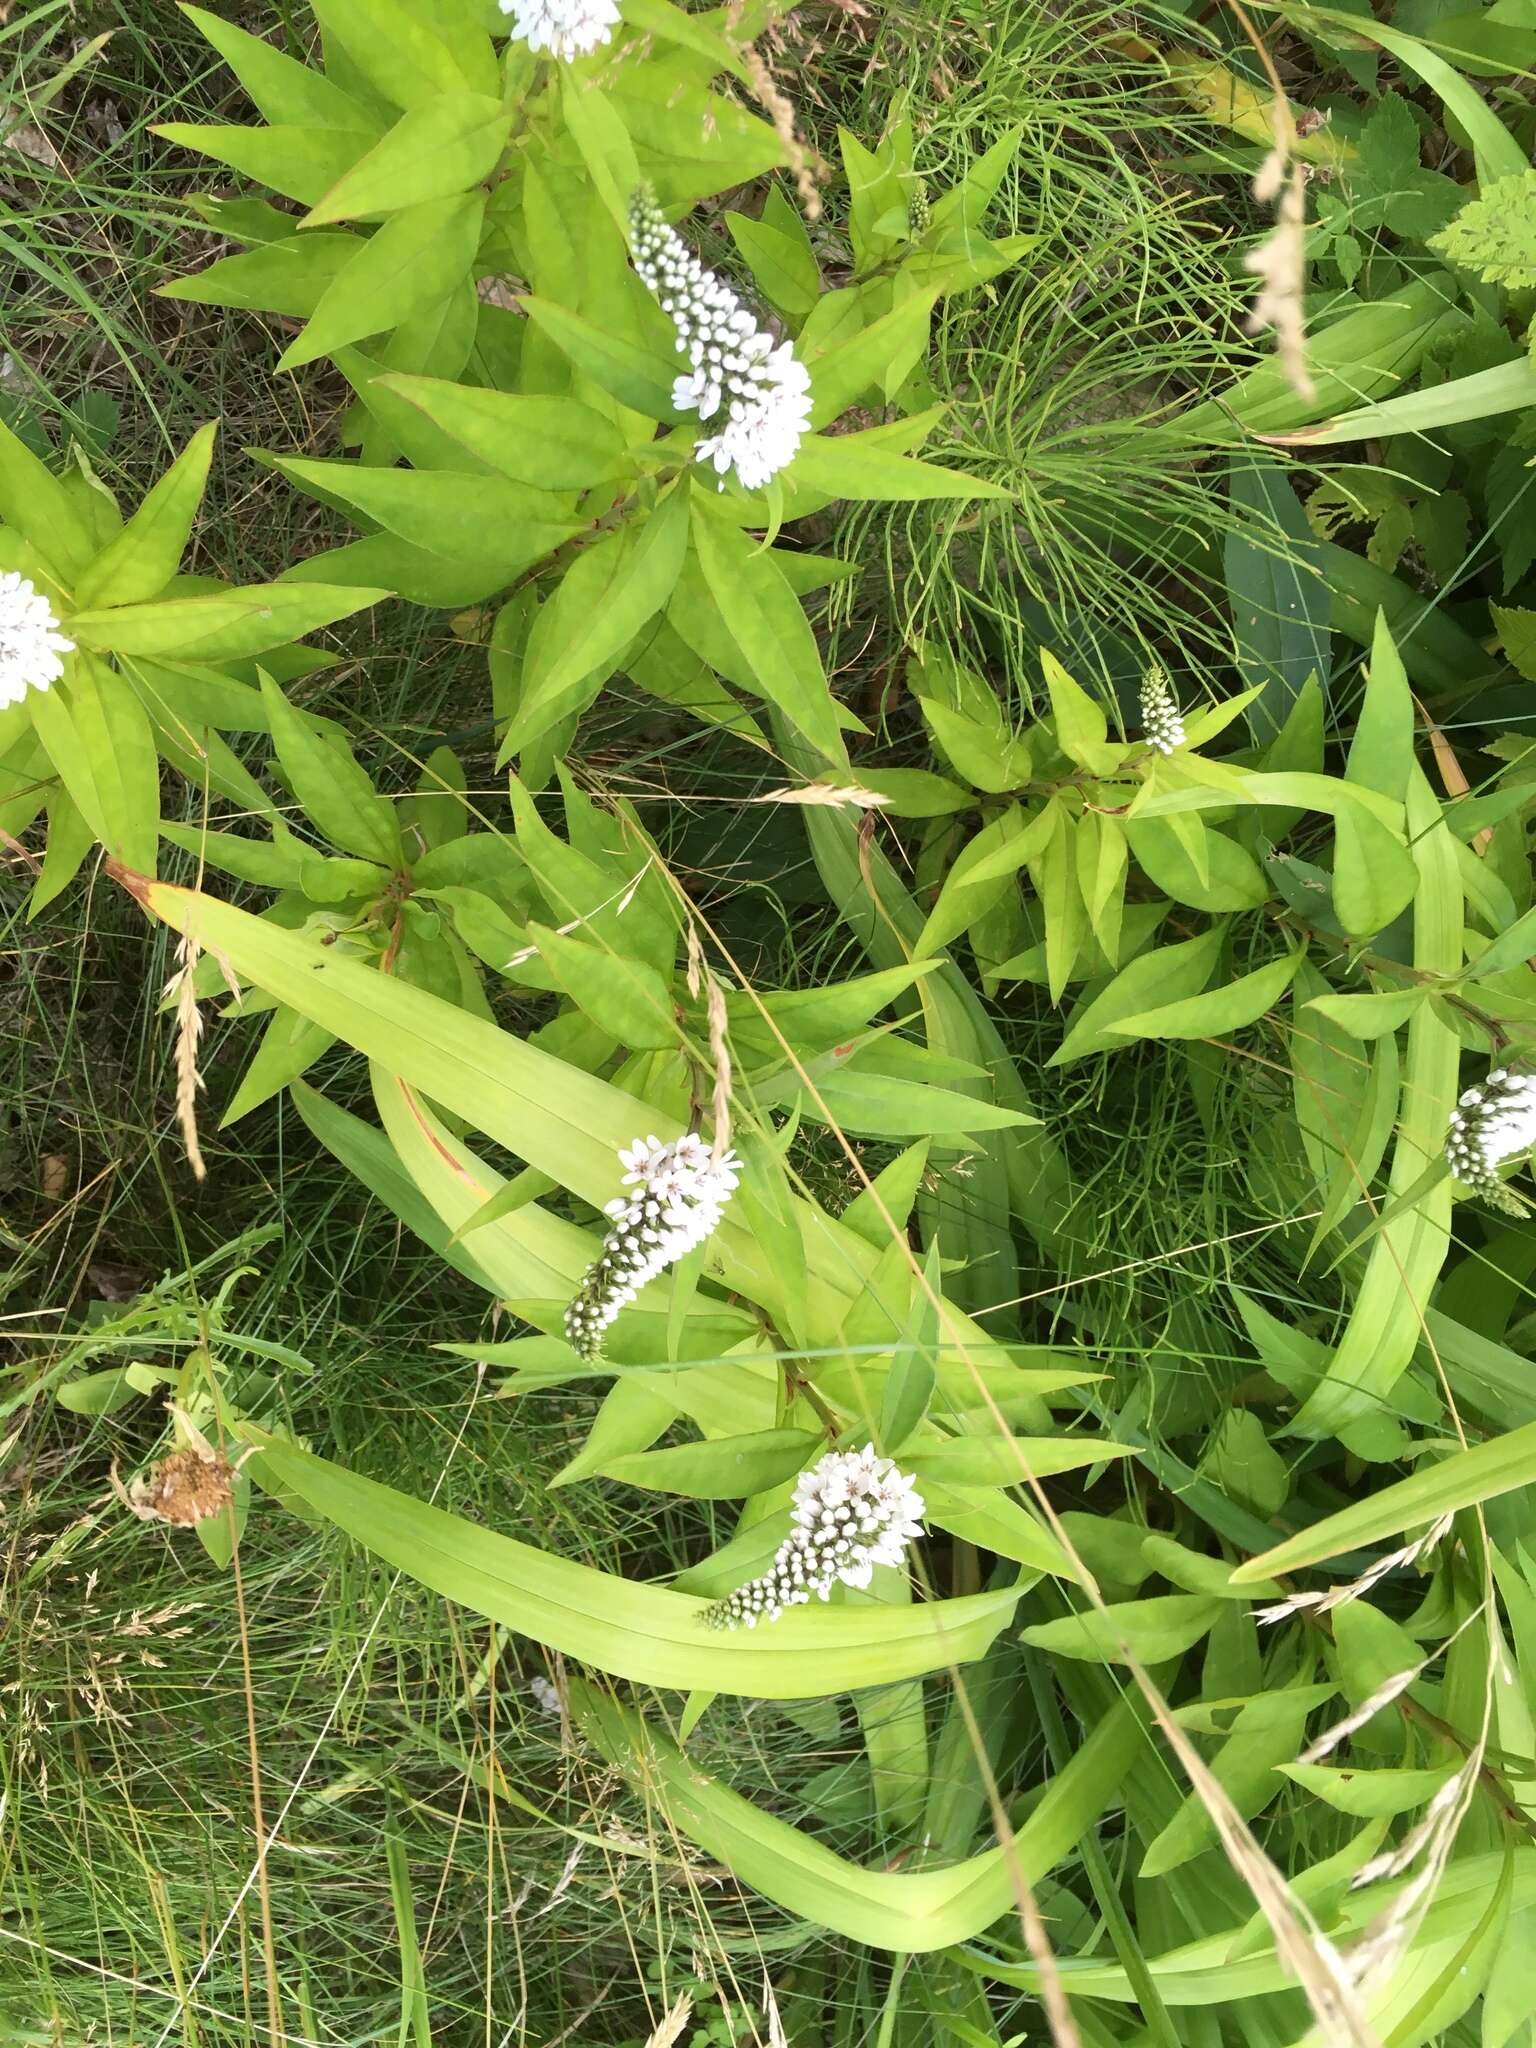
{"points": [[625, 1627], [467, 519], [229, 626], [413, 262], [143, 558], [33, 500], [1368, 1017], [769, 626], [1381, 752], [1148, 1630], [337, 796], [436, 150], [603, 601], [402, 52], [301, 163], [994, 761], [283, 91], [637, 377], [101, 744], [1374, 876], [1219, 1010], [604, 143], [913, 1913], [624, 997], [854, 466], [1171, 973], [1172, 851], [722, 1467], [1385, 1327], [555, 443], [783, 264], [288, 277]]}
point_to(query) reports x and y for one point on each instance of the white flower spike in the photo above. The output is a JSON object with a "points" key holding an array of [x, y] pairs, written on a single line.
{"points": [[1161, 725], [761, 392], [1492, 1122], [680, 1193], [853, 1510], [567, 29], [30, 642]]}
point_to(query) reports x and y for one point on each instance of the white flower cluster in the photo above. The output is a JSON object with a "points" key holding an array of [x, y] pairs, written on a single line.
{"points": [[544, 1695], [765, 391], [679, 1194], [1493, 1122], [1161, 725], [853, 1510], [566, 28], [30, 642]]}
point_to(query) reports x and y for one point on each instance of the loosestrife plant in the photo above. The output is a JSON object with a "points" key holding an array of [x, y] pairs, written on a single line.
{"points": [[1493, 1122]]}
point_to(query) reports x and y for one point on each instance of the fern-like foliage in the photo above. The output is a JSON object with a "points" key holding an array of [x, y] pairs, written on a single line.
{"points": [[1495, 234]]}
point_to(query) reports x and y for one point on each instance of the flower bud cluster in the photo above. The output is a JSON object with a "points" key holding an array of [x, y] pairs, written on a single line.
{"points": [[853, 1510], [566, 28], [680, 1192], [1161, 725], [30, 642], [759, 389], [1493, 1122]]}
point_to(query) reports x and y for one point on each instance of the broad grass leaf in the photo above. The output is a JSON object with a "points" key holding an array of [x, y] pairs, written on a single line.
{"points": [[914, 1913], [1168, 971], [337, 796], [853, 466], [102, 746], [144, 557], [300, 162], [227, 627], [722, 1468], [282, 90], [638, 377], [1218, 1011], [436, 150], [367, 1153], [1461, 1480], [1509, 387], [1371, 352], [1149, 1630], [1374, 876], [766, 621], [555, 443], [1280, 603], [413, 262], [623, 1626]]}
